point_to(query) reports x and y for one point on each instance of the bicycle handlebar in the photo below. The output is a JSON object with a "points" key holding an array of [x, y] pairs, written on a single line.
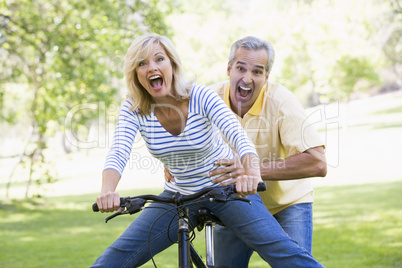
{"points": [[214, 192], [217, 194]]}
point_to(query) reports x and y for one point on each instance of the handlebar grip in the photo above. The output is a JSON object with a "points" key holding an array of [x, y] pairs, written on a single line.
{"points": [[95, 207], [262, 186]]}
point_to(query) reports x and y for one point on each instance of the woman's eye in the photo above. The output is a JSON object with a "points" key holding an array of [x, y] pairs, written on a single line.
{"points": [[142, 63], [160, 59]]}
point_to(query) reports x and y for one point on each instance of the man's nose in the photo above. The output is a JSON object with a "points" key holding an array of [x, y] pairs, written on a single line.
{"points": [[247, 78]]}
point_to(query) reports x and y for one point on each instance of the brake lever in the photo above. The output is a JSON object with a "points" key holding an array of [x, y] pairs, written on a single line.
{"points": [[243, 199], [134, 205], [221, 195], [131, 206], [115, 215]]}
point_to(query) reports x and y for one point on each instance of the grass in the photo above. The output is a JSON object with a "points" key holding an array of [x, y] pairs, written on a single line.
{"points": [[359, 225], [355, 226]]}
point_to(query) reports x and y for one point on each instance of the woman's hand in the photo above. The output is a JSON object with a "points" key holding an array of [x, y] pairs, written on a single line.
{"points": [[245, 185], [109, 202], [168, 176], [109, 199]]}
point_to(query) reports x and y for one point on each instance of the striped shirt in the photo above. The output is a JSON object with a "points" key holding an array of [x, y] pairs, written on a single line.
{"points": [[189, 156]]}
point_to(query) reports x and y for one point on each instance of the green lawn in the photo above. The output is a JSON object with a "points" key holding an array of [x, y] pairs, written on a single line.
{"points": [[355, 226]]}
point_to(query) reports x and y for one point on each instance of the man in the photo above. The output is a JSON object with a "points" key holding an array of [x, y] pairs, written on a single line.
{"points": [[290, 150]]}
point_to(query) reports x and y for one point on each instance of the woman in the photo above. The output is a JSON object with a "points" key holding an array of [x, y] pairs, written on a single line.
{"points": [[181, 124]]}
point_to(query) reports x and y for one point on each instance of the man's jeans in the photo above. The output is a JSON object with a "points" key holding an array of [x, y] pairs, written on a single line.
{"points": [[155, 229], [296, 221]]}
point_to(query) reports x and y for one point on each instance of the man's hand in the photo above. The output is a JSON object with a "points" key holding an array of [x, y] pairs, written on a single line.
{"points": [[231, 169]]}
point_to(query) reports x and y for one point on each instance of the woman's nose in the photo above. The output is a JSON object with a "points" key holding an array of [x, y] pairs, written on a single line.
{"points": [[152, 67]]}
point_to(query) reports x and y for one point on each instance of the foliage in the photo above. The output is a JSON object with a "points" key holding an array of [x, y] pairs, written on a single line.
{"points": [[393, 45], [353, 74], [68, 53], [309, 38]]}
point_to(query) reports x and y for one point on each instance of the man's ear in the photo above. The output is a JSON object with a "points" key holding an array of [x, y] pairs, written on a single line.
{"points": [[266, 77], [228, 69]]}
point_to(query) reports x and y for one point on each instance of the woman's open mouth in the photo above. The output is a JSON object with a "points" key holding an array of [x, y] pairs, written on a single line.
{"points": [[156, 82]]}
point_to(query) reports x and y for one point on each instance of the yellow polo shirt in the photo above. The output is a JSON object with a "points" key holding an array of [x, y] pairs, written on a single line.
{"points": [[278, 126]]}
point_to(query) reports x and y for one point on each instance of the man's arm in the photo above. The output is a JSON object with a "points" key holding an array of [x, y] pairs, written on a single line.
{"points": [[310, 163]]}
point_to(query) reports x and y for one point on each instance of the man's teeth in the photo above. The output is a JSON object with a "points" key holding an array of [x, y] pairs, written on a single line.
{"points": [[245, 88], [154, 77]]}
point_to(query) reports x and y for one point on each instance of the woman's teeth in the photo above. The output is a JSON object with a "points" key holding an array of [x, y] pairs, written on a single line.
{"points": [[155, 77]]}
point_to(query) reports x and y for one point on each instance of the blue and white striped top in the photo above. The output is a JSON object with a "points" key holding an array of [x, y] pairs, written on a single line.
{"points": [[190, 155]]}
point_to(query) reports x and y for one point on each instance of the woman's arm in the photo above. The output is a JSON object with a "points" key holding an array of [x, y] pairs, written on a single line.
{"points": [[124, 135], [109, 200]]}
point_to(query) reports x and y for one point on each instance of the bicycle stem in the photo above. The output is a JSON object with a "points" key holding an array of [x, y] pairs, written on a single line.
{"points": [[184, 240]]}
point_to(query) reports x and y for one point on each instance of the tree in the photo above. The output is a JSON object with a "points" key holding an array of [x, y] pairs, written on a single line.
{"points": [[67, 52], [393, 45], [353, 74]]}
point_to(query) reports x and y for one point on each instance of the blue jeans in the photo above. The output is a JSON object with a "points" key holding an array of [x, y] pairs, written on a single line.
{"points": [[296, 221], [154, 230]]}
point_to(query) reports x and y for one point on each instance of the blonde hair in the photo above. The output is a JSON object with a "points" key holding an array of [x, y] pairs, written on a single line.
{"points": [[140, 49]]}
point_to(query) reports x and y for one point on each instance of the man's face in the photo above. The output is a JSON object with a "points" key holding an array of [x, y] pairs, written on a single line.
{"points": [[247, 77]]}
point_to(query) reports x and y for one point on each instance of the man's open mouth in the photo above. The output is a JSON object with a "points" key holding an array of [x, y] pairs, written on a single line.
{"points": [[244, 91]]}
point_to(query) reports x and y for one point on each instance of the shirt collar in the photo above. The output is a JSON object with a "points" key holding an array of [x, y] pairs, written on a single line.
{"points": [[257, 106]]}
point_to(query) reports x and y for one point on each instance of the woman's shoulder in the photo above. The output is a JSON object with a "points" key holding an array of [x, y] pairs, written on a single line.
{"points": [[127, 108], [201, 91]]}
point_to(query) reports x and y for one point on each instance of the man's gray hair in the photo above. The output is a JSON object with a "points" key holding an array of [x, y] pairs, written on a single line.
{"points": [[253, 43]]}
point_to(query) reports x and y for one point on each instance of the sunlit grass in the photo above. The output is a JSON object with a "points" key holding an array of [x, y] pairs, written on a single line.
{"points": [[360, 225], [355, 226]]}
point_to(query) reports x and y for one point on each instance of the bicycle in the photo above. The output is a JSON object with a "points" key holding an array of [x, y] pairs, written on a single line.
{"points": [[187, 256]]}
